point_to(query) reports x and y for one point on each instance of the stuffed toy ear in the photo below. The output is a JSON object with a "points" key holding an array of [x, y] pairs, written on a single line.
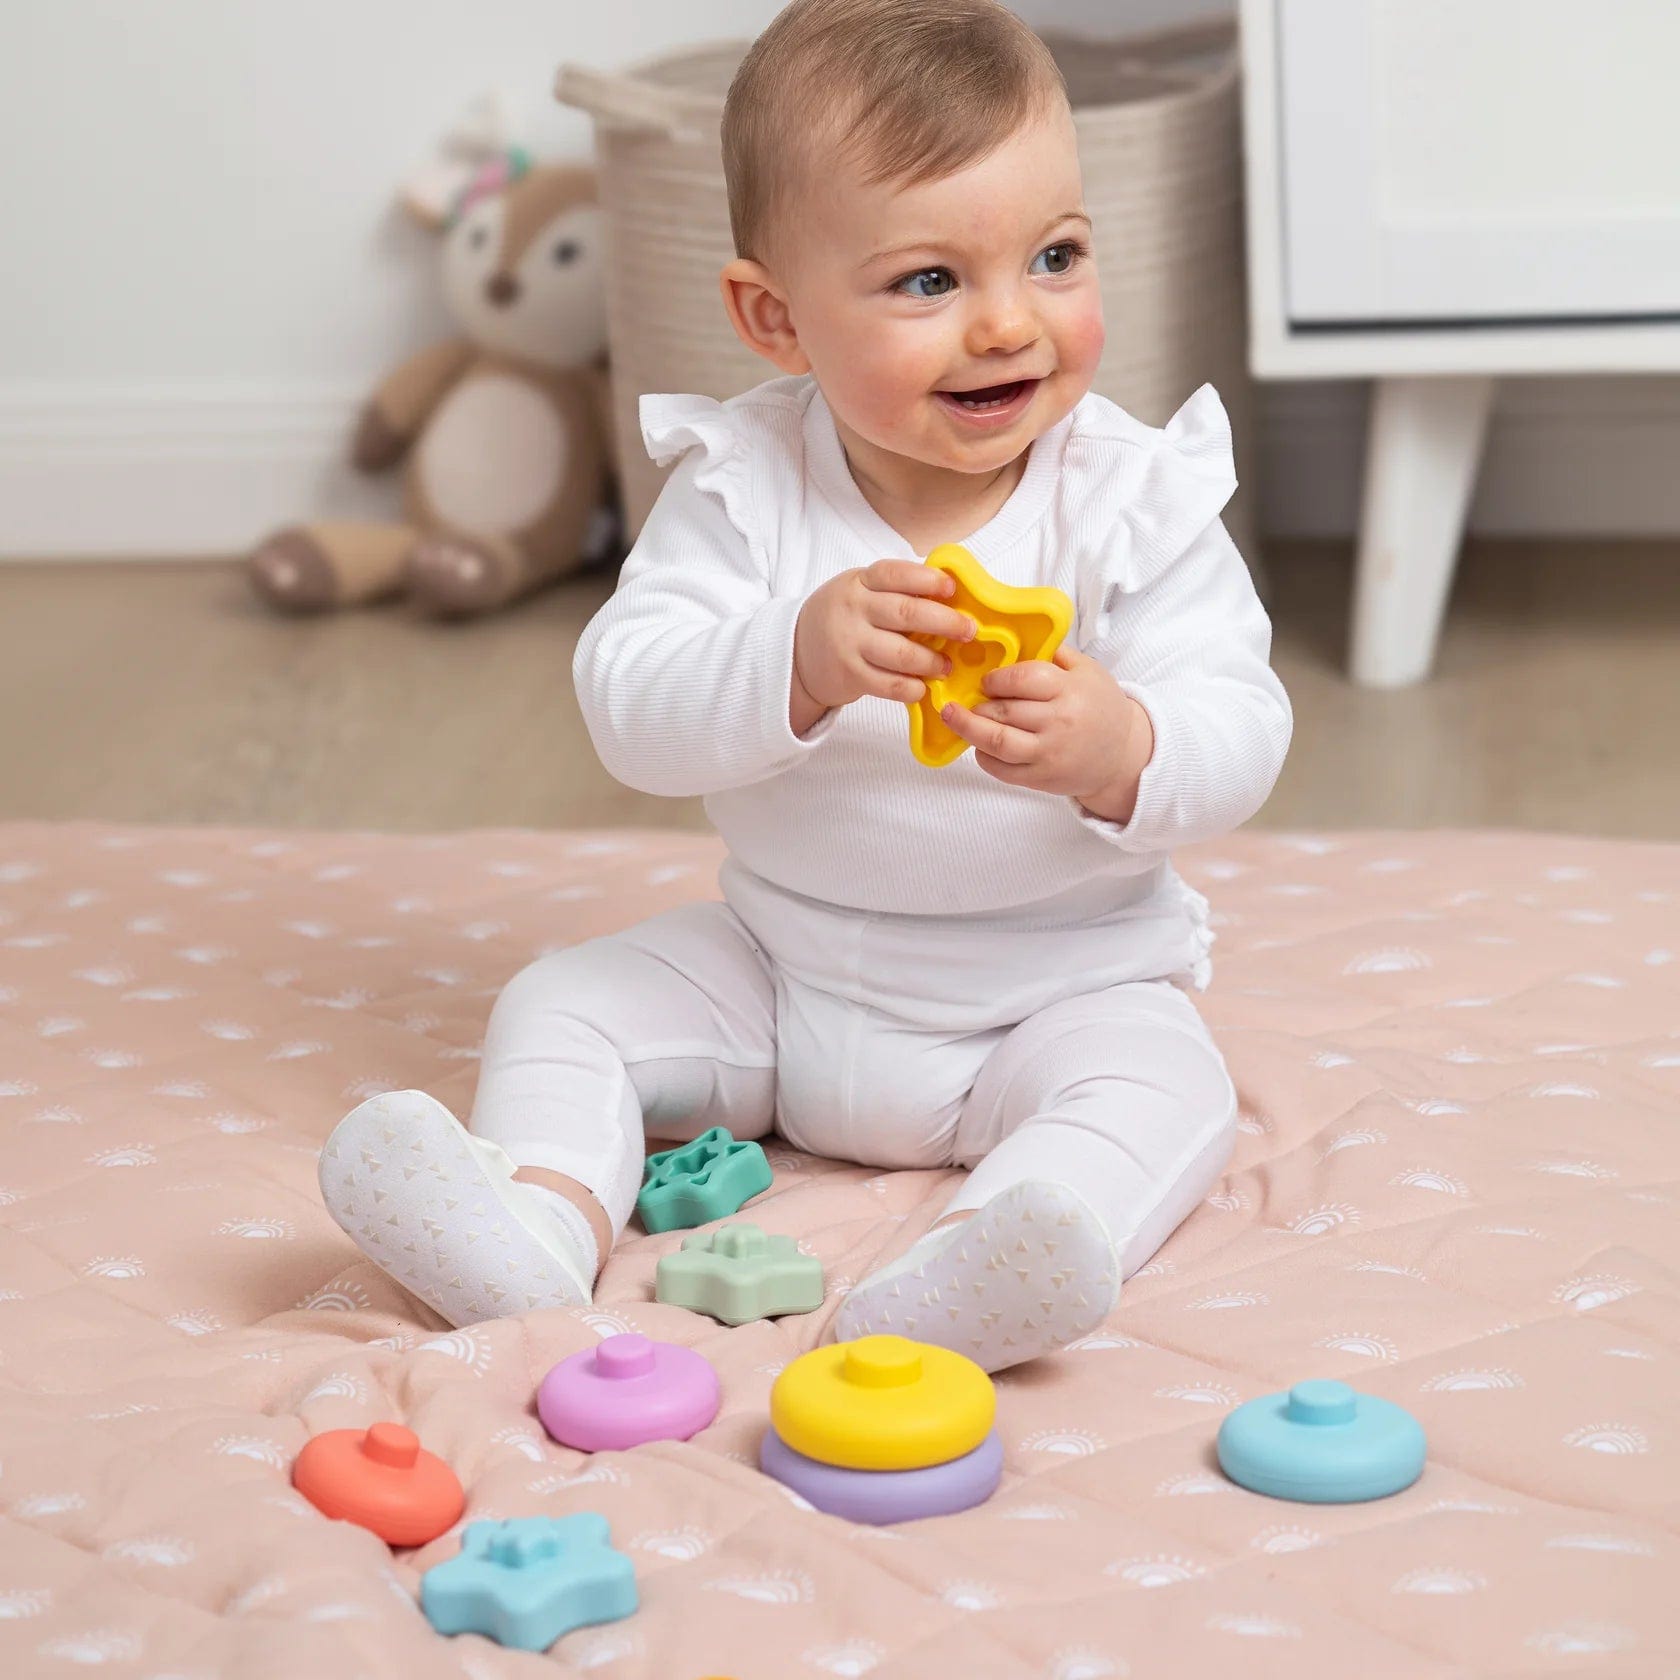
{"points": [[482, 139]]}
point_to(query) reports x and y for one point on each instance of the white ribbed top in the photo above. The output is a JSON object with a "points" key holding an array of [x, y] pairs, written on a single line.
{"points": [[683, 675]]}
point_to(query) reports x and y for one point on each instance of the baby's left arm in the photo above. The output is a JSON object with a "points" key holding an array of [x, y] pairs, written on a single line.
{"points": [[1174, 732]]}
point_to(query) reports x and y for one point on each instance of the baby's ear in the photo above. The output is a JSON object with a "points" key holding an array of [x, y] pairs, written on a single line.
{"points": [[758, 311]]}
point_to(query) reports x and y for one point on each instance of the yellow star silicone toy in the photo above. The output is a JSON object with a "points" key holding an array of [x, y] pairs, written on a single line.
{"points": [[1011, 624]]}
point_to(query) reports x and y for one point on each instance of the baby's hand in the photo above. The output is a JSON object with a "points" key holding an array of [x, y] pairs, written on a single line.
{"points": [[1066, 728], [853, 638]]}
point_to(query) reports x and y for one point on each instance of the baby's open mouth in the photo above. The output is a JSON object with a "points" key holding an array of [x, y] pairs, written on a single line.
{"points": [[990, 397]]}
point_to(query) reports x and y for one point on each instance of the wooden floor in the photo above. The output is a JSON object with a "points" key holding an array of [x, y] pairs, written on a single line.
{"points": [[165, 693]]}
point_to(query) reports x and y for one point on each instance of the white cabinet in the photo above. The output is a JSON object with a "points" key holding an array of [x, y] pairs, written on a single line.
{"points": [[1441, 192]]}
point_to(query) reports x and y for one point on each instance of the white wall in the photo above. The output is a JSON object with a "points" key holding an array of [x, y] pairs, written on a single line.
{"points": [[201, 270]]}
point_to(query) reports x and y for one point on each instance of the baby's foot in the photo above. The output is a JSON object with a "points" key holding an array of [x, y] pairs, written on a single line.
{"points": [[1029, 1272], [440, 1211]]}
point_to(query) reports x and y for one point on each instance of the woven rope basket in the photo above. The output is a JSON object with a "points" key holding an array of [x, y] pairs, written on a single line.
{"points": [[1157, 119]]}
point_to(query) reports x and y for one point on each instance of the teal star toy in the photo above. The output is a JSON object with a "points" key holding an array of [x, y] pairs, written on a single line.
{"points": [[526, 1581], [739, 1273], [702, 1181]]}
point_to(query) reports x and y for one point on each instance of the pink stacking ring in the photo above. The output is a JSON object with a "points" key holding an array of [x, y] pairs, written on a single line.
{"points": [[627, 1390]]}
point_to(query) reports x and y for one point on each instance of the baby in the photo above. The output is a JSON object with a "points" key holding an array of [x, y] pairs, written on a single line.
{"points": [[980, 966]]}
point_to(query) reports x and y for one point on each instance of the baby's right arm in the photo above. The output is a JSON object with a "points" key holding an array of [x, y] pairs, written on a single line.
{"points": [[687, 676], [683, 676]]}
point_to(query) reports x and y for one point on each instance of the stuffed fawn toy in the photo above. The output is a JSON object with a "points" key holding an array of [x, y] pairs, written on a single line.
{"points": [[506, 430]]}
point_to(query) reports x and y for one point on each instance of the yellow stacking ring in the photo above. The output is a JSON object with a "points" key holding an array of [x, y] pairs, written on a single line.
{"points": [[883, 1403]]}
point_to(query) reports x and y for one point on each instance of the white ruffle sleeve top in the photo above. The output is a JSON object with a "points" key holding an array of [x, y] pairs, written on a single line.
{"points": [[683, 676]]}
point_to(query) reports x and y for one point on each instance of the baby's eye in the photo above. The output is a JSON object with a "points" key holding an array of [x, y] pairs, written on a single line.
{"points": [[567, 251], [923, 274], [1071, 251]]}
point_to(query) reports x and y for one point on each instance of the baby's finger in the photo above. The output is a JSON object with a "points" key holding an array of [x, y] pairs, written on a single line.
{"points": [[1034, 716], [1013, 746], [1017, 775], [908, 577], [887, 652], [911, 616], [893, 685], [1032, 679]]}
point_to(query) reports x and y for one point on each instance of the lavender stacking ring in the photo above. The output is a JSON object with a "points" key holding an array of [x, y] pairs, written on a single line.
{"points": [[627, 1390], [887, 1496]]}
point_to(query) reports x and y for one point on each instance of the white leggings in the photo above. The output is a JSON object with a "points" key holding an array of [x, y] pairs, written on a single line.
{"points": [[684, 1022]]}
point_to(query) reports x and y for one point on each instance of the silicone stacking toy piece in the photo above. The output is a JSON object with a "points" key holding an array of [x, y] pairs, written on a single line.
{"points": [[882, 1403], [887, 1496], [702, 1181], [625, 1391], [739, 1273], [1011, 624], [1322, 1443], [526, 1581], [381, 1479]]}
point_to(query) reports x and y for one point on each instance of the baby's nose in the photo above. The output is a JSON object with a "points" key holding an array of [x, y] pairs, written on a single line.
{"points": [[501, 289]]}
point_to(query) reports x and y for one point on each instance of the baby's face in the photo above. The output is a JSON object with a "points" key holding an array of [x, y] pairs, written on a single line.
{"points": [[900, 296]]}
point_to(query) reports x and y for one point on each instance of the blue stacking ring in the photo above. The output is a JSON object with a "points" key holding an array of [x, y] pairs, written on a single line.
{"points": [[1322, 1443]]}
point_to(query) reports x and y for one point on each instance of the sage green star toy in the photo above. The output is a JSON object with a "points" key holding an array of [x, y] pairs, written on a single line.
{"points": [[702, 1181], [739, 1273]]}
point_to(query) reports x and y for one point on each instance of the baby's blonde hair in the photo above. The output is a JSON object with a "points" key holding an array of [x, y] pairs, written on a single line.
{"points": [[910, 90]]}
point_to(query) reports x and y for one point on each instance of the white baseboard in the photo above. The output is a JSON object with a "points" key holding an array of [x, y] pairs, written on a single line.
{"points": [[137, 472], [146, 471]]}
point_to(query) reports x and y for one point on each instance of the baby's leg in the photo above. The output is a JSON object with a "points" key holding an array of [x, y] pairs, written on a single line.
{"points": [[670, 1021], [1093, 1131]]}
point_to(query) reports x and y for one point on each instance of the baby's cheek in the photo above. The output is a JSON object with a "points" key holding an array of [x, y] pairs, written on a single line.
{"points": [[882, 403], [1083, 345]]}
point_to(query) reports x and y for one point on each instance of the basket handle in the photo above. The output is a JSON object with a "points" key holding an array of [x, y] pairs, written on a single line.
{"points": [[633, 103], [1182, 40]]}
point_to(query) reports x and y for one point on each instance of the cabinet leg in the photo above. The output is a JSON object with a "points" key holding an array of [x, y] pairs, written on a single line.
{"points": [[1424, 447]]}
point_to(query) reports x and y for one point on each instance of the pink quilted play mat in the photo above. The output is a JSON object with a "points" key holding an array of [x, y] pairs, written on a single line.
{"points": [[1455, 1186]]}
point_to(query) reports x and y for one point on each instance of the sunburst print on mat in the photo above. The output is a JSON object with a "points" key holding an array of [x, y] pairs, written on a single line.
{"points": [[1595, 1289], [1361, 1343], [1355, 1138], [525, 1442], [853, 1659], [1204, 1393], [1193, 1483], [1459, 1382], [1426, 1178], [1627, 1544], [160, 1550], [682, 1545], [1286, 1537], [1253, 1625], [1069, 1443], [337, 1296], [1085, 1662], [1161, 1570], [1609, 1438], [971, 1595], [195, 1321], [1440, 1580], [778, 1586], [1582, 1639], [96, 1646], [1323, 1219]]}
